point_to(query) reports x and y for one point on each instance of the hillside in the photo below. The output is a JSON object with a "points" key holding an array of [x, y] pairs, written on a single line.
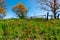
{"points": [[25, 29]]}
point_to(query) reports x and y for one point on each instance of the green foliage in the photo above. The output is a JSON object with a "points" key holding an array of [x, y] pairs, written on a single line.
{"points": [[30, 29]]}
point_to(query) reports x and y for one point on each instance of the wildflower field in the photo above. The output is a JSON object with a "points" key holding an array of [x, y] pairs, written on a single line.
{"points": [[29, 29]]}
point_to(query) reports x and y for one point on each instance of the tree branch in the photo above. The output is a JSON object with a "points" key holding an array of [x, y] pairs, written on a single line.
{"points": [[51, 4], [46, 9], [58, 7]]}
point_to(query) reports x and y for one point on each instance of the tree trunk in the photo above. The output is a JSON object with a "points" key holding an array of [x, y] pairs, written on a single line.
{"points": [[55, 16], [54, 9], [23, 16]]}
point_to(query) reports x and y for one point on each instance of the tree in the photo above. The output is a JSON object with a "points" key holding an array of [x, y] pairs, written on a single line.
{"points": [[50, 5], [20, 10], [2, 12], [2, 8]]}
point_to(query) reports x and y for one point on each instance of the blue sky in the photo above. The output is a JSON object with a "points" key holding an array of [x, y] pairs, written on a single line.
{"points": [[30, 4]]}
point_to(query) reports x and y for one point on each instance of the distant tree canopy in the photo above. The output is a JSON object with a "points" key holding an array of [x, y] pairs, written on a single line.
{"points": [[50, 5], [20, 10], [2, 8]]}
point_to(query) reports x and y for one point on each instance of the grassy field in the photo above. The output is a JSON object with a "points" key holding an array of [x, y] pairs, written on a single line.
{"points": [[29, 29]]}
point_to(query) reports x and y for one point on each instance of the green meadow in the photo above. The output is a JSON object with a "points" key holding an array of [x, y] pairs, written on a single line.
{"points": [[29, 29]]}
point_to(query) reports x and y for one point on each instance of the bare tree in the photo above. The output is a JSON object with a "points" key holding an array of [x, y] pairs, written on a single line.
{"points": [[50, 5]]}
